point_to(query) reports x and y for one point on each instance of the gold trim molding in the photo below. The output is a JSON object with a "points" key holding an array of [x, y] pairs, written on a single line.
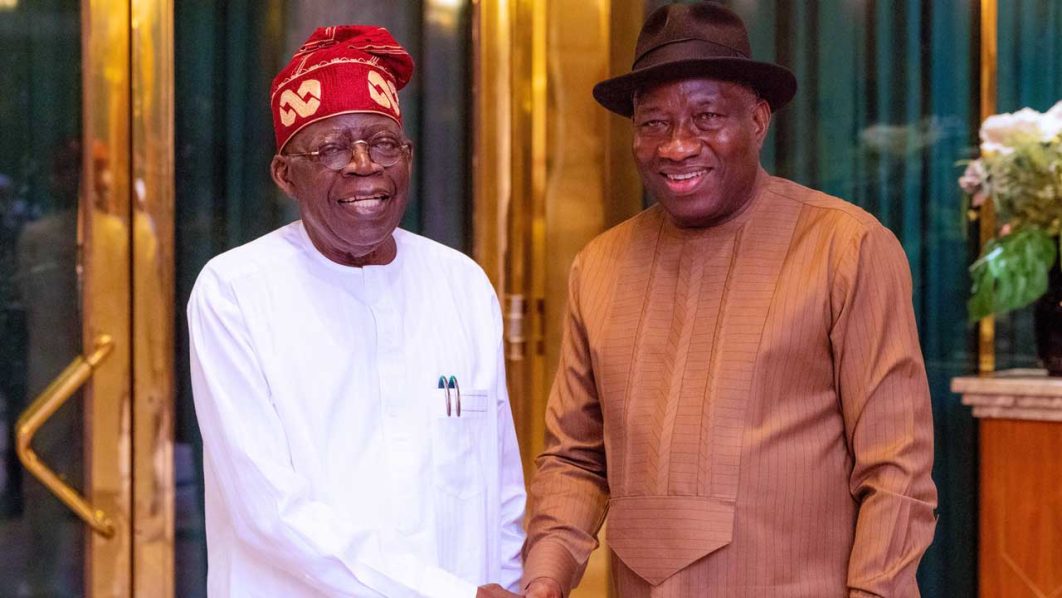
{"points": [[986, 328]]}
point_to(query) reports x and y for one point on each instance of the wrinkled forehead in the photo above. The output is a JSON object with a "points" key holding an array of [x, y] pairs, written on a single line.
{"points": [[354, 125], [692, 88]]}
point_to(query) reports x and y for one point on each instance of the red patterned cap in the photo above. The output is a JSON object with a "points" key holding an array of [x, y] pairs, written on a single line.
{"points": [[339, 70]]}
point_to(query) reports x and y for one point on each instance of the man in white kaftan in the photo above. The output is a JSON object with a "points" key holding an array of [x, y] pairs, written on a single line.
{"points": [[334, 462]]}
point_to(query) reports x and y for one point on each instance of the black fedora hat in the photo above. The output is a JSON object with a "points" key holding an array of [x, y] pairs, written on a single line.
{"points": [[705, 39]]}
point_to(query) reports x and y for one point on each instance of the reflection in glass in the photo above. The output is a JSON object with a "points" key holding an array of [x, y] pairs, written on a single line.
{"points": [[41, 541]]}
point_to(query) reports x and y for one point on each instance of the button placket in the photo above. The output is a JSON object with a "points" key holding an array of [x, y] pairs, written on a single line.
{"points": [[398, 425]]}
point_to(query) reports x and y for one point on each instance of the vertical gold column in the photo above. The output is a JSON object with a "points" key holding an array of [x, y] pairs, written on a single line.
{"points": [[528, 220], [153, 297], [104, 237], [509, 162], [592, 184], [986, 337], [491, 140], [524, 252], [576, 196], [551, 169]]}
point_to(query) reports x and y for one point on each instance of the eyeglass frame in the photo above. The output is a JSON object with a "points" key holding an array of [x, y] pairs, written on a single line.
{"points": [[316, 154]]}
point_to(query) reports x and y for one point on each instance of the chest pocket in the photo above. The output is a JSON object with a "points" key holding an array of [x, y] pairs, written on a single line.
{"points": [[459, 457], [458, 432]]}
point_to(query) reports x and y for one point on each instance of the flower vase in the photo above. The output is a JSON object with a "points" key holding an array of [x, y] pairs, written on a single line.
{"points": [[1047, 321]]}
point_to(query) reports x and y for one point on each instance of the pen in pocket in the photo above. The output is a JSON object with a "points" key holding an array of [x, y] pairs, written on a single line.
{"points": [[452, 392]]}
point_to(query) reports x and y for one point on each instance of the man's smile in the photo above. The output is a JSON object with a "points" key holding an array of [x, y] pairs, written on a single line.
{"points": [[366, 203], [684, 181]]}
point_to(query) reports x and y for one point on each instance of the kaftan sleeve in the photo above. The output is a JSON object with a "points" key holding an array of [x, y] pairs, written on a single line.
{"points": [[270, 504], [881, 379], [569, 494]]}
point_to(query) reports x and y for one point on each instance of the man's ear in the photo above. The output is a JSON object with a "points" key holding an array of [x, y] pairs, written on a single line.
{"points": [[279, 170], [761, 118]]}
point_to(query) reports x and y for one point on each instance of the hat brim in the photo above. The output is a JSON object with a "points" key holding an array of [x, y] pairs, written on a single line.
{"points": [[774, 83]]}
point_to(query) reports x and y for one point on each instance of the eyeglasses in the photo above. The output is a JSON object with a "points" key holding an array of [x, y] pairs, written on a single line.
{"points": [[384, 150]]}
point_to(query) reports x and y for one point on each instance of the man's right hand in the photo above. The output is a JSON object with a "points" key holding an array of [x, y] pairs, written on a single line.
{"points": [[494, 591], [544, 587]]}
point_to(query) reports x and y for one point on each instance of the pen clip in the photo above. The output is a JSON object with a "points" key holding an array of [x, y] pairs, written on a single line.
{"points": [[457, 388], [443, 385]]}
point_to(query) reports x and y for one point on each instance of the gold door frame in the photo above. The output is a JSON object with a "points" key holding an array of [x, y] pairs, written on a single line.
{"points": [[105, 291], [127, 291]]}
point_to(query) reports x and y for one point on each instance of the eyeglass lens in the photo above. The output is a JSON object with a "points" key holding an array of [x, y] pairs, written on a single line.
{"points": [[383, 151]]}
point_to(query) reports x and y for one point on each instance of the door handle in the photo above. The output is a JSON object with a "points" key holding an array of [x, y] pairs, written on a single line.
{"points": [[47, 403]]}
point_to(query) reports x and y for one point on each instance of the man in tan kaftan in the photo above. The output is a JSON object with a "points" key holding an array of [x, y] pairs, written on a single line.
{"points": [[741, 387]]}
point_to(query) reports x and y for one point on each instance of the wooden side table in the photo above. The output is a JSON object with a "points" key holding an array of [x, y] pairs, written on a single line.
{"points": [[1020, 421]]}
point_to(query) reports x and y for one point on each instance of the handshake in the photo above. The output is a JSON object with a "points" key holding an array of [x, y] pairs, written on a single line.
{"points": [[542, 587]]}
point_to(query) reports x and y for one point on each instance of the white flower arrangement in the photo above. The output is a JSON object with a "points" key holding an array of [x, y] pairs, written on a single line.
{"points": [[1020, 170]]}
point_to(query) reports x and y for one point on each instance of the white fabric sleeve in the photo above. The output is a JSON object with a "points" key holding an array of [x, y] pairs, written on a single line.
{"points": [[512, 493], [271, 506]]}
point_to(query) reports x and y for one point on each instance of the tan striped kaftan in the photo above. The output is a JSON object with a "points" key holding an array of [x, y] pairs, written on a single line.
{"points": [[747, 402]]}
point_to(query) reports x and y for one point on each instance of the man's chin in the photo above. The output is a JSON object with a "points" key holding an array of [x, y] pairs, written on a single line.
{"points": [[686, 214]]}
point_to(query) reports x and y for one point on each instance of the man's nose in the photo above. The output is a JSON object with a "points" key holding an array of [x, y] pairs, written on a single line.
{"points": [[360, 161], [680, 145]]}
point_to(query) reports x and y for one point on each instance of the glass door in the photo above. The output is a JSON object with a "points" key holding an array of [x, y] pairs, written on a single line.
{"points": [[42, 545], [66, 238]]}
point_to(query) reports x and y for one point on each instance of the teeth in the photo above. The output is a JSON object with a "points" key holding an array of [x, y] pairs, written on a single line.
{"points": [[687, 176], [373, 198], [367, 206]]}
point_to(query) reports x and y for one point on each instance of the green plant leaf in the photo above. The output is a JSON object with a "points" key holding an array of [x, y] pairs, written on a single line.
{"points": [[1011, 272]]}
